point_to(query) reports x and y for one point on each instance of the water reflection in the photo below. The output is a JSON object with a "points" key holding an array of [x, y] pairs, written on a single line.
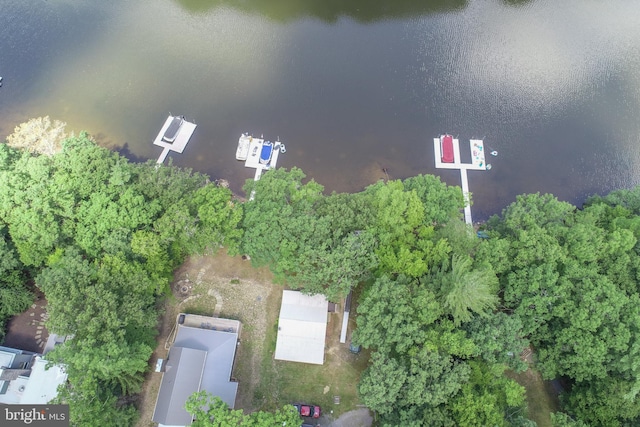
{"points": [[364, 11], [352, 89]]}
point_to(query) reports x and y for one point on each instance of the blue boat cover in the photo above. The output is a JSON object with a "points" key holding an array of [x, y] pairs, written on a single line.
{"points": [[265, 154]]}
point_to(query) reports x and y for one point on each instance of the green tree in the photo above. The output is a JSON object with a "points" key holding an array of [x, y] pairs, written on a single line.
{"points": [[499, 339], [560, 419], [279, 222], [96, 408], [571, 276], [108, 307], [211, 411], [381, 384], [336, 268], [416, 366], [218, 217], [465, 290], [487, 397], [393, 315], [14, 296], [604, 403], [442, 203], [406, 242], [290, 227]]}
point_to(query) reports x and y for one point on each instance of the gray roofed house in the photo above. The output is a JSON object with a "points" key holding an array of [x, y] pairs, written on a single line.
{"points": [[183, 375], [201, 358]]}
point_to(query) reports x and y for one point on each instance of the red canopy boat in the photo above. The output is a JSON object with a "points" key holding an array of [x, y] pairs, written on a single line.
{"points": [[446, 148]]}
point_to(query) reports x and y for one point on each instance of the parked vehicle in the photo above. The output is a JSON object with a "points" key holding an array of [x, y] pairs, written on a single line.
{"points": [[311, 411]]}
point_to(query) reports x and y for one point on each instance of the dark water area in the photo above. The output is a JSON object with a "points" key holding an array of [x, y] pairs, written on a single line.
{"points": [[351, 88]]}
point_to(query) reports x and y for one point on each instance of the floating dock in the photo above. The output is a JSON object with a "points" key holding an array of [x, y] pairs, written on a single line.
{"points": [[181, 139], [253, 158], [254, 152], [476, 147]]}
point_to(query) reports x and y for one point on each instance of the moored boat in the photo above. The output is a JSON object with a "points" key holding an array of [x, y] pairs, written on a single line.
{"points": [[267, 151], [243, 146], [446, 148], [172, 131]]}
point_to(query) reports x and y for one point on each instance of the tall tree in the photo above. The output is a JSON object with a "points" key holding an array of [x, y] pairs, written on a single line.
{"points": [[465, 290], [14, 296], [442, 203], [406, 242]]}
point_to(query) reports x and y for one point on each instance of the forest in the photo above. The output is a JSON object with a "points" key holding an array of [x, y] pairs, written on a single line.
{"points": [[444, 313]]}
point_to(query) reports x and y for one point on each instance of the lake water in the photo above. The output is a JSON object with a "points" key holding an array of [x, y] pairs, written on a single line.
{"points": [[351, 90]]}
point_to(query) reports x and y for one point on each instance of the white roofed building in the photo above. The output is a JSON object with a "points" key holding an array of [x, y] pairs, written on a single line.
{"points": [[24, 378], [302, 328]]}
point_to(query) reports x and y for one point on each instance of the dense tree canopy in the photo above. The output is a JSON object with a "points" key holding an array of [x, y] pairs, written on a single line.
{"points": [[443, 313], [14, 296], [571, 276], [102, 236], [426, 369]]}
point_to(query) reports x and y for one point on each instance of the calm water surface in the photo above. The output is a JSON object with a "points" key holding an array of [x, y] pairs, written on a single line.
{"points": [[553, 86]]}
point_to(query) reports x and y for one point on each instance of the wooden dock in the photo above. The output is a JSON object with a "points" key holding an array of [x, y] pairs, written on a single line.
{"points": [[476, 147], [183, 137]]}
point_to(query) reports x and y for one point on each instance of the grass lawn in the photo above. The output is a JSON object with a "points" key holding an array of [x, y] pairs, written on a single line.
{"points": [[289, 382]]}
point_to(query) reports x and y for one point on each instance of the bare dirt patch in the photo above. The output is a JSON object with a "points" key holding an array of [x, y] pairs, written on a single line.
{"points": [[27, 331]]}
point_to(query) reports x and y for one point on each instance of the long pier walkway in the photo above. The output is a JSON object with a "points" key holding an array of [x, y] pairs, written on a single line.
{"points": [[477, 163]]}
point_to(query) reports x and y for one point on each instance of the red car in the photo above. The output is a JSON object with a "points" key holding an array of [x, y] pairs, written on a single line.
{"points": [[305, 410]]}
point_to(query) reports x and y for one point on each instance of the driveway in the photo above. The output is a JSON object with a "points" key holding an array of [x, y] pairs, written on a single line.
{"points": [[357, 418]]}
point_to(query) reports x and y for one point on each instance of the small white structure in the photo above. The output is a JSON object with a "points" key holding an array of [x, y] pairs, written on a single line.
{"points": [[178, 139], [345, 319], [258, 154], [302, 328]]}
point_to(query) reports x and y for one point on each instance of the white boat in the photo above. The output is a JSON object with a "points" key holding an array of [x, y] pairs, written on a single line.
{"points": [[243, 146], [172, 131]]}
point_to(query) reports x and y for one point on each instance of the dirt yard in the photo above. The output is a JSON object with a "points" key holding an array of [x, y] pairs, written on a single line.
{"points": [[27, 330], [230, 287]]}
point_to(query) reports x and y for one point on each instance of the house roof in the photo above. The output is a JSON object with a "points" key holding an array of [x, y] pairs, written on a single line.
{"points": [[182, 377], [43, 383], [221, 348], [24, 378], [215, 338], [302, 328]]}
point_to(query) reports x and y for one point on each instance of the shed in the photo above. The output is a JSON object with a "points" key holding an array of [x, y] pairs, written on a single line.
{"points": [[302, 328]]}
